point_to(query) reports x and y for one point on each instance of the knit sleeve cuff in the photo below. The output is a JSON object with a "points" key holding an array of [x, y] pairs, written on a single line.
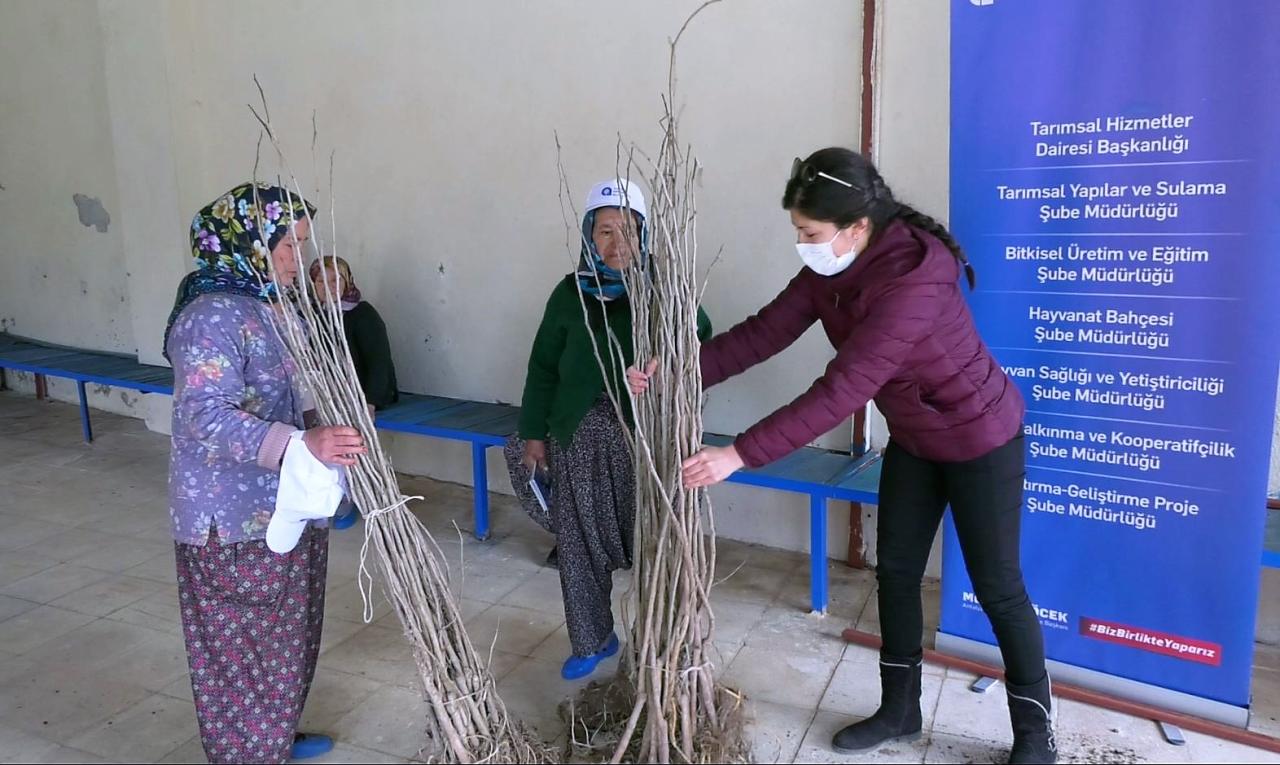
{"points": [[272, 450], [751, 457]]}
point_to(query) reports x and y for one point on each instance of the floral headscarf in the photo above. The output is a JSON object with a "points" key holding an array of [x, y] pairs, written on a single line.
{"points": [[227, 243]]}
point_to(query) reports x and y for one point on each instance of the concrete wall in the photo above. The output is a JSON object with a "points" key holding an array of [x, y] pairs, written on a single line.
{"points": [[443, 117], [444, 114], [60, 280]]}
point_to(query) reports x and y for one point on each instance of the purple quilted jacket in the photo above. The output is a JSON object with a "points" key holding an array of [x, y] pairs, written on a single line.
{"points": [[903, 336]]}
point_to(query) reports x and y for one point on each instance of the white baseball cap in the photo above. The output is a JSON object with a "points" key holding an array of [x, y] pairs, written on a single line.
{"points": [[309, 490], [617, 192]]}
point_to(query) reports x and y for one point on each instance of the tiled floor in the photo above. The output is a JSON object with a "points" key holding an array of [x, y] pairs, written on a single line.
{"points": [[92, 667]]}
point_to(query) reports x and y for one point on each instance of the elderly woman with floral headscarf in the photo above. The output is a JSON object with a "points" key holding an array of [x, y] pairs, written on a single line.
{"points": [[568, 424], [251, 615]]}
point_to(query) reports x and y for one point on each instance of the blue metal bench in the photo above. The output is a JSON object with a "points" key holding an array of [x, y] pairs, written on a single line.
{"points": [[482, 425], [821, 475], [116, 370]]}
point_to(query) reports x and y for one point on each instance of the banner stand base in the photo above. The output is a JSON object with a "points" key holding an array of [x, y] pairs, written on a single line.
{"points": [[1109, 685], [1210, 718]]}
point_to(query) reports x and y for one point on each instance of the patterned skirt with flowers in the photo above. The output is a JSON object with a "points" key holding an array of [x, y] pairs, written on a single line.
{"points": [[252, 622]]}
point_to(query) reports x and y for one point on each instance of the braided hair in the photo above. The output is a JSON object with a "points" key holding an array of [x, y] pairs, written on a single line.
{"points": [[867, 196]]}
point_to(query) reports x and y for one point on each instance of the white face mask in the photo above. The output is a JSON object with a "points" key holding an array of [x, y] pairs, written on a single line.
{"points": [[822, 259]]}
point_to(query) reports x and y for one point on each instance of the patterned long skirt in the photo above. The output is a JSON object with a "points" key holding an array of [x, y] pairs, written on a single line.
{"points": [[593, 502], [252, 622]]}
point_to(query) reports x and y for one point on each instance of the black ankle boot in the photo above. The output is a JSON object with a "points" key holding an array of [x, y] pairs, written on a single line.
{"points": [[898, 717], [1029, 708]]}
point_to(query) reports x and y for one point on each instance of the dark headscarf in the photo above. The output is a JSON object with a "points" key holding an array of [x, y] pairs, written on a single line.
{"points": [[227, 243]]}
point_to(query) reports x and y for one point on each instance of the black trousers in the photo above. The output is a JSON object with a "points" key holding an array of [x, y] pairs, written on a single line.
{"points": [[985, 495]]}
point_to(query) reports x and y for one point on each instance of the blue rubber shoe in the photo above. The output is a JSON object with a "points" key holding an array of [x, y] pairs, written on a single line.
{"points": [[308, 745], [346, 520], [580, 666]]}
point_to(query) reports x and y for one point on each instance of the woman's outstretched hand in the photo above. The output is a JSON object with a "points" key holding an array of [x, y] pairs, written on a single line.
{"points": [[710, 466]]}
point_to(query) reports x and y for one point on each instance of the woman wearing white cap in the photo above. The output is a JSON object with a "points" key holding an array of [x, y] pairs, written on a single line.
{"points": [[570, 427]]}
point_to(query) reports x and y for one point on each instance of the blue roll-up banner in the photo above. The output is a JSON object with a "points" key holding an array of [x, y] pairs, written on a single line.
{"points": [[1114, 180]]}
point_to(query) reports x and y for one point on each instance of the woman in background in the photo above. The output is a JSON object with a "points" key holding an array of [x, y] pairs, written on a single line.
{"points": [[367, 339]]}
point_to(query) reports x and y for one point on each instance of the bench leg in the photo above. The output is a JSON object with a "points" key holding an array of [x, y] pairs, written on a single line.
{"points": [[84, 413], [818, 553], [480, 480], [42, 387]]}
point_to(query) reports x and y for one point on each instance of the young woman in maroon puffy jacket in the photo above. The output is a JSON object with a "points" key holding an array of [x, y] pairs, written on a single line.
{"points": [[884, 281]]}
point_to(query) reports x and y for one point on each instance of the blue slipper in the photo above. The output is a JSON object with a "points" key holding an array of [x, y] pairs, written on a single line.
{"points": [[347, 520], [580, 666], [308, 745]]}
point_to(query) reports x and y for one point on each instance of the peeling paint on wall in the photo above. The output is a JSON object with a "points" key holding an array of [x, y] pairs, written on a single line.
{"points": [[91, 212]]}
